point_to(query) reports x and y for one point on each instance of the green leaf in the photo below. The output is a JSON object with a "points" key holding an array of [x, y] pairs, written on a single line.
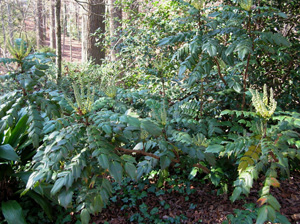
{"points": [[107, 129], [164, 41], [236, 194], [17, 131], [193, 173], [214, 148], [182, 70], [210, 48], [115, 169], [59, 183], [103, 161], [43, 202], [262, 215], [271, 213], [165, 162], [151, 128], [85, 216], [12, 212], [237, 87], [7, 152], [131, 170], [65, 198]]}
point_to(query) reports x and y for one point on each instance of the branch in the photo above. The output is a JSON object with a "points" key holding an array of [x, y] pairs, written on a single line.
{"points": [[129, 151], [205, 169], [219, 72], [138, 152]]}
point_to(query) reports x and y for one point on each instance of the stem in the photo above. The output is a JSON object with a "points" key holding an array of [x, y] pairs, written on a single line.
{"points": [[219, 72], [245, 77], [130, 151], [201, 98]]}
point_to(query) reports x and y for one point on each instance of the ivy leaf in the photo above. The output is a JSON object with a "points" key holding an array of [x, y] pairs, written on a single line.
{"points": [[115, 169]]}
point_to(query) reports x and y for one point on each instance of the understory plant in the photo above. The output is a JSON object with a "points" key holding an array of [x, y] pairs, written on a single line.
{"points": [[24, 107]]}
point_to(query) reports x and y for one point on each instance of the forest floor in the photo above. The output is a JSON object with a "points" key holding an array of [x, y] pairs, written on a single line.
{"points": [[201, 206]]}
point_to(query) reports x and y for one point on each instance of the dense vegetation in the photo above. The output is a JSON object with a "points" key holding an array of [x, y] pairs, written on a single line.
{"points": [[212, 90]]}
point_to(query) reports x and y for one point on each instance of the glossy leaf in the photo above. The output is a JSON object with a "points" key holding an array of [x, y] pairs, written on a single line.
{"points": [[12, 212], [7, 152]]}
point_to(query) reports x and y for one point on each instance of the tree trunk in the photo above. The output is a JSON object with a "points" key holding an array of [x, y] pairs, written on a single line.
{"points": [[94, 19], [4, 33], [39, 24], [58, 39], [64, 27], [115, 24], [10, 23], [52, 24]]}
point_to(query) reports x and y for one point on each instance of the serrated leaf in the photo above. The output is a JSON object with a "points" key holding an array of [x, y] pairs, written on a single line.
{"points": [[164, 41], [237, 87], [274, 182], [165, 162], [85, 216], [236, 194], [103, 161], [65, 198], [210, 48], [59, 183], [116, 170], [12, 212], [214, 148], [262, 215], [107, 129], [181, 71], [131, 170], [151, 128]]}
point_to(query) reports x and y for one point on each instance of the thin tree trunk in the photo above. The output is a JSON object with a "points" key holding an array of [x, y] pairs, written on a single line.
{"points": [[58, 39], [4, 33], [52, 24], [115, 24], [64, 27], [10, 23], [39, 24]]}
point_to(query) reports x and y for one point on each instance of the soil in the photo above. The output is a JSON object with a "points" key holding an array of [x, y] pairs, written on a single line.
{"points": [[204, 204]]}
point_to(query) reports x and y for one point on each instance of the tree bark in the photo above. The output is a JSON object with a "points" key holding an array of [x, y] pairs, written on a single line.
{"points": [[58, 39], [115, 12], [39, 24], [52, 24], [10, 24], [94, 20], [4, 33]]}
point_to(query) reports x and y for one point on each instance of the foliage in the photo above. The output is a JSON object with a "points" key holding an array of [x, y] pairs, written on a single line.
{"points": [[190, 70], [20, 127]]}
